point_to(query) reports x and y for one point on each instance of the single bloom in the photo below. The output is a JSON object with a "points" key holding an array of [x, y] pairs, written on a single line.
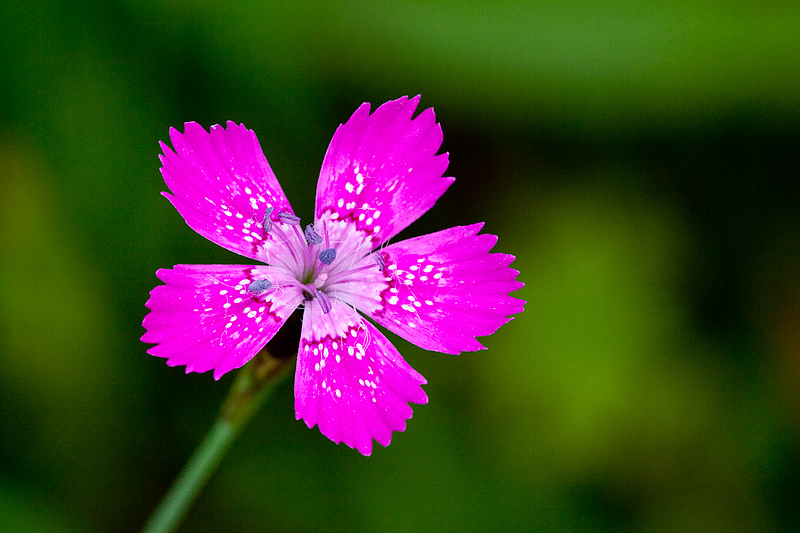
{"points": [[381, 172]]}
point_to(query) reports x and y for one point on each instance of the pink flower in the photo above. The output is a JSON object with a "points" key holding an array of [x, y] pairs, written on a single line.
{"points": [[380, 174]]}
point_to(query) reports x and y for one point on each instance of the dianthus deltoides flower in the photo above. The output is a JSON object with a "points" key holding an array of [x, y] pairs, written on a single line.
{"points": [[380, 173]]}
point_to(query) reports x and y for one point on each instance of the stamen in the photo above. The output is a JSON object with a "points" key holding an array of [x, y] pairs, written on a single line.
{"points": [[289, 244], [288, 218], [260, 286], [268, 220], [378, 257], [312, 237], [327, 256], [324, 302], [325, 231], [348, 274]]}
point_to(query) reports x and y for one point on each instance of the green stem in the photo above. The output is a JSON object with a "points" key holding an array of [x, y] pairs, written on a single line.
{"points": [[192, 478], [253, 384]]}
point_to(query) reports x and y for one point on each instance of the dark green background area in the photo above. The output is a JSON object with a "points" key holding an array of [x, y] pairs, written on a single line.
{"points": [[641, 160]]}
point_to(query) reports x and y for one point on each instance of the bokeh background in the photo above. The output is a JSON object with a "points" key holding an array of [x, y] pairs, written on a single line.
{"points": [[640, 158]]}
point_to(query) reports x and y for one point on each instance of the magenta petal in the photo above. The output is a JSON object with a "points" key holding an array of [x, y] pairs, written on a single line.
{"points": [[350, 380], [222, 185], [381, 170], [444, 289], [205, 317]]}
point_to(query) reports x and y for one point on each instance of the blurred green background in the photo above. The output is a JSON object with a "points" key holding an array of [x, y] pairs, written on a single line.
{"points": [[641, 160]]}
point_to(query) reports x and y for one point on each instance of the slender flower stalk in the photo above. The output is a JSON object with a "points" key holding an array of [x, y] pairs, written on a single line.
{"points": [[252, 387]]}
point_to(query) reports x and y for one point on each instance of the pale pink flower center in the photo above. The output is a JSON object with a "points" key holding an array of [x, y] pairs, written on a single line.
{"points": [[310, 259]]}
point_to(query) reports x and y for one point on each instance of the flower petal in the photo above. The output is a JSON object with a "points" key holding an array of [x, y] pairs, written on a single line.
{"points": [[444, 289], [205, 317], [381, 170], [350, 380], [223, 186]]}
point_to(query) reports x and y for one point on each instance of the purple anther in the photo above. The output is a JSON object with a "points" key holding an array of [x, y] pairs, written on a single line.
{"points": [[327, 256], [260, 286], [378, 257], [324, 302], [267, 220], [288, 218], [312, 237]]}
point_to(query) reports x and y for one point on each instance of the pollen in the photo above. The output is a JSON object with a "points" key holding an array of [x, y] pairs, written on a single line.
{"points": [[260, 286], [327, 256]]}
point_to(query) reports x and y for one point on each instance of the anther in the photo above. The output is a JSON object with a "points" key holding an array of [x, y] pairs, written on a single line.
{"points": [[288, 218], [327, 256], [312, 237], [378, 257], [324, 301], [259, 286], [267, 220]]}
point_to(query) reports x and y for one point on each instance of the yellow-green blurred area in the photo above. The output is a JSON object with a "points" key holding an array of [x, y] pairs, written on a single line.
{"points": [[641, 159]]}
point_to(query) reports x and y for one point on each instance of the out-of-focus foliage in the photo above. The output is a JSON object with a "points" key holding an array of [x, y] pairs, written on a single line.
{"points": [[641, 159]]}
